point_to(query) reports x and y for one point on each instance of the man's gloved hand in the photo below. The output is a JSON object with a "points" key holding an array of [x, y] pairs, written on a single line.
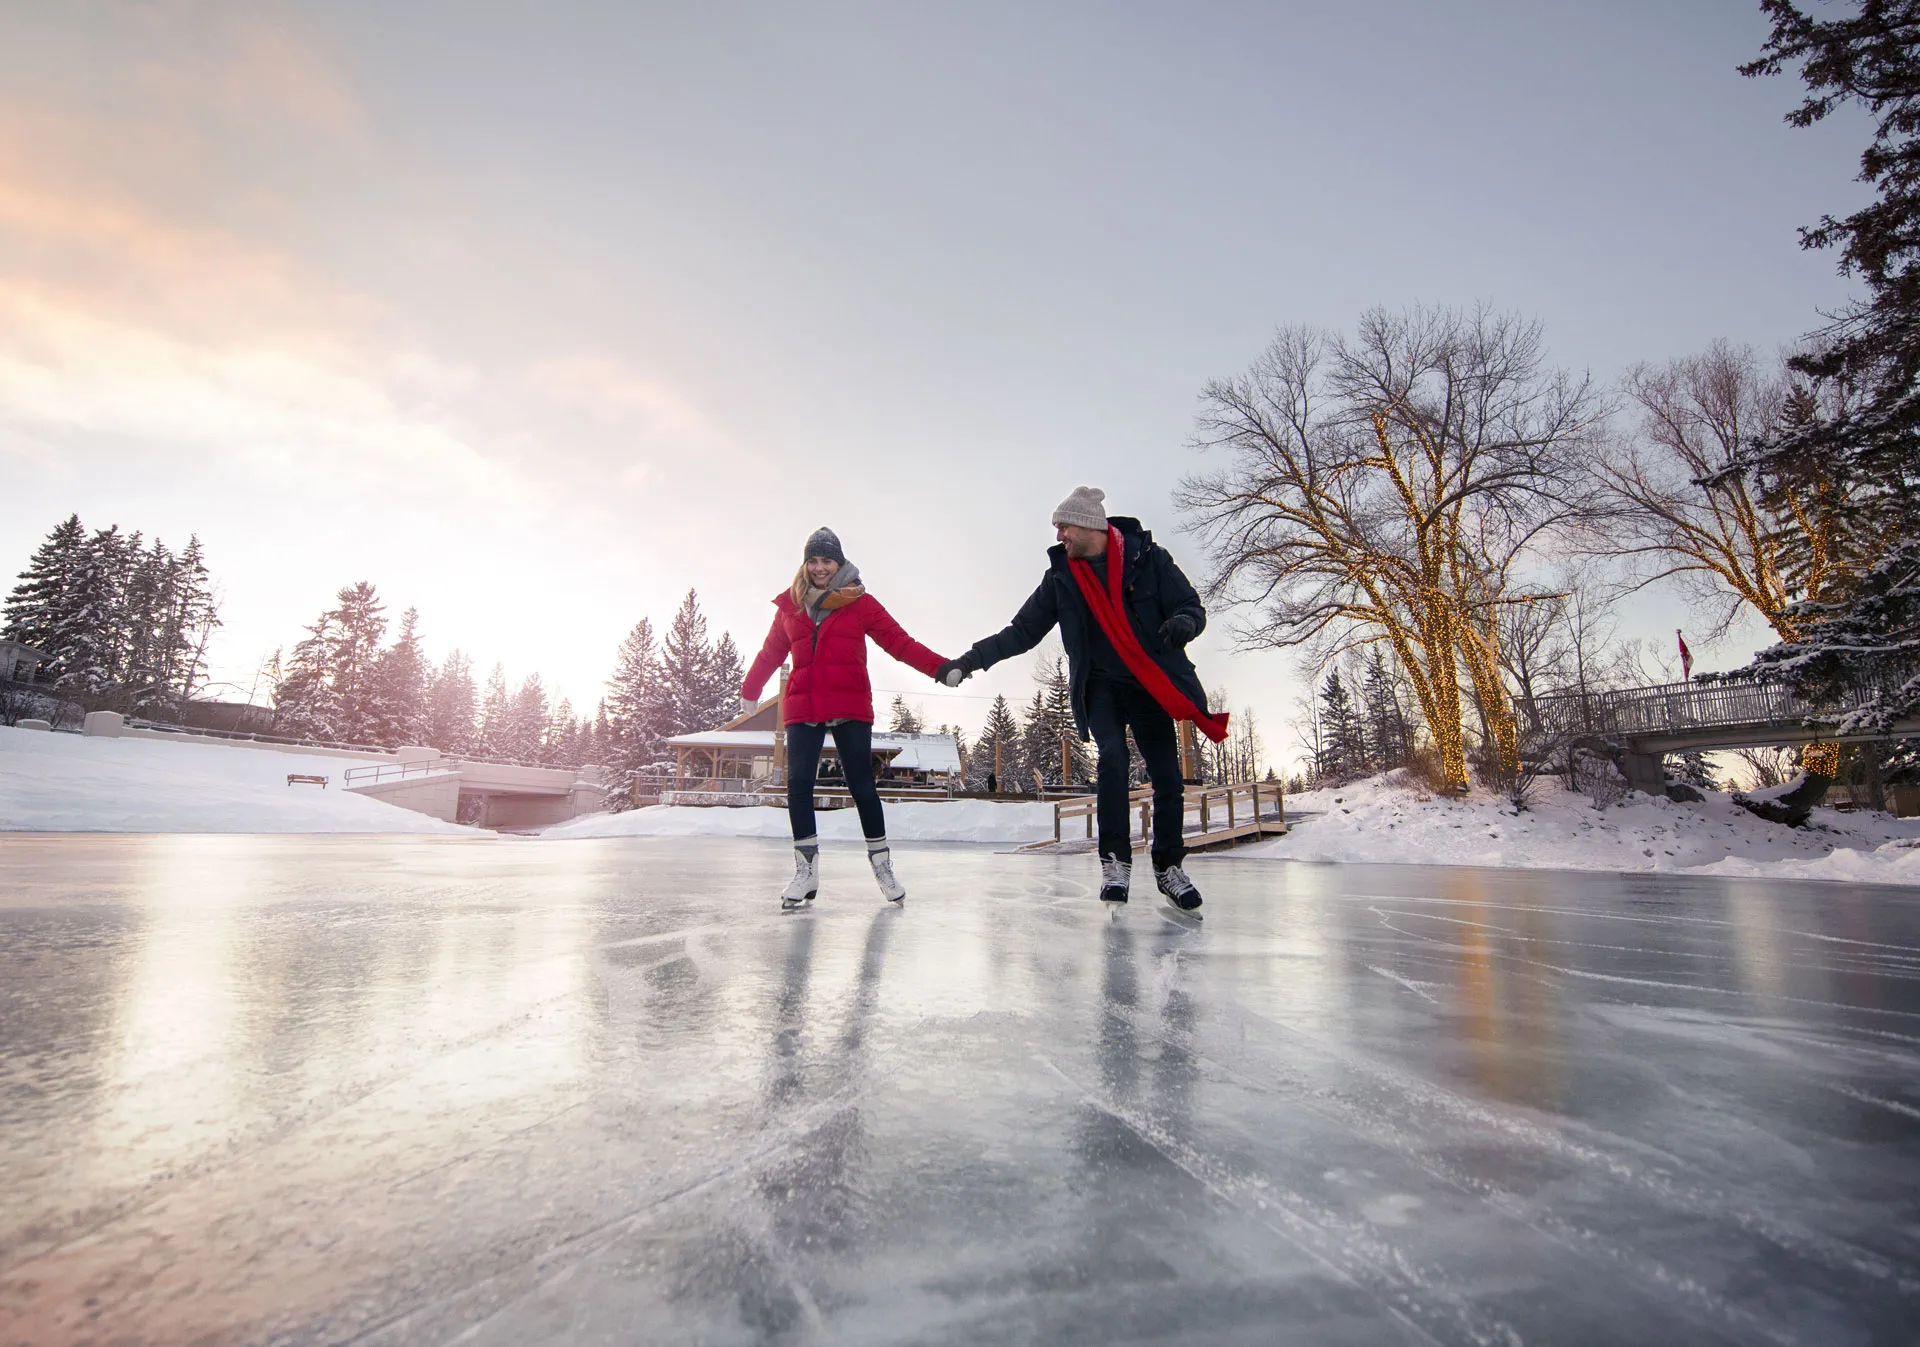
{"points": [[1178, 630], [954, 672]]}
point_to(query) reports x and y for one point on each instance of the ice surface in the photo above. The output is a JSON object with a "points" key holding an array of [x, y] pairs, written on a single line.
{"points": [[69, 783], [393, 1090], [944, 821]]}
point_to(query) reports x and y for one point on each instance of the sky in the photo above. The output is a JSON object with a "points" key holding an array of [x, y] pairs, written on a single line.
{"points": [[538, 316]]}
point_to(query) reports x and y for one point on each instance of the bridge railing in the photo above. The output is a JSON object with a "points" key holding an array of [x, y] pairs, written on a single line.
{"points": [[1674, 708]]}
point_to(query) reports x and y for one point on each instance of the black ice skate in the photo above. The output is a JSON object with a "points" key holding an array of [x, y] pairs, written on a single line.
{"points": [[1177, 887], [1114, 874]]}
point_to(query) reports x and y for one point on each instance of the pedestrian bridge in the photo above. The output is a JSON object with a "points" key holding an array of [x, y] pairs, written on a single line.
{"points": [[1648, 723]]}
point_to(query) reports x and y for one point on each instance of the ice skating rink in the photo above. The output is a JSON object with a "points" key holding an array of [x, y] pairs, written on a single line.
{"points": [[423, 1090]]}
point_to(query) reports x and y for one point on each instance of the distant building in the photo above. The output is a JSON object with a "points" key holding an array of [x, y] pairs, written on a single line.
{"points": [[18, 660], [745, 748]]}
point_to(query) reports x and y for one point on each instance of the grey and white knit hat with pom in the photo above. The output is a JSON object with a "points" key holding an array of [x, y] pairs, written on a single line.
{"points": [[1082, 508], [824, 542]]}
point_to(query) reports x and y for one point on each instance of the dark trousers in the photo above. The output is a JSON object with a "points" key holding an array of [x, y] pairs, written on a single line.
{"points": [[853, 740], [1114, 707]]}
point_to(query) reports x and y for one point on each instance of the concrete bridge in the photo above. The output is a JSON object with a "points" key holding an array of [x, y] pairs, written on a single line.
{"points": [[1646, 724], [459, 790]]}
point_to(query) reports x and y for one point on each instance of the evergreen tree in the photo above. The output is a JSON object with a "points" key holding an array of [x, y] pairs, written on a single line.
{"points": [[904, 719], [725, 673], [637, 709], [1388, 732], [686, 670], [1003, 730], [398, 706], [304, 701], [494, 738], [43, 609], [523, 735], [122, 623], [451, 724], [1860, 643], [1343, 754], [359, 623], [1060, 715], [1695, 771]]}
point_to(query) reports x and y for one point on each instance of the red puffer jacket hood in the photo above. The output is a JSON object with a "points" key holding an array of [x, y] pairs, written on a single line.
{"points": [[829, 679]]}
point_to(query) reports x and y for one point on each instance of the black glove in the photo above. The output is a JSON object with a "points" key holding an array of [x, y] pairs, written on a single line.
{"points": [[953, 673], [1179, 629]]}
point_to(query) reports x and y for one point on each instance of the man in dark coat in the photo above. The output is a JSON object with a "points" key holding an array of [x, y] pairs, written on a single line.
{"points": [[1109, 697]]}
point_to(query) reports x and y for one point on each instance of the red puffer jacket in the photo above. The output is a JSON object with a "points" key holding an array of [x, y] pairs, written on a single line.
{"points": [[829, 679]]}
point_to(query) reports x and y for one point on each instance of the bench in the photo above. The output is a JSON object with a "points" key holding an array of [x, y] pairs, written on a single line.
{"points": [[294, 778]]}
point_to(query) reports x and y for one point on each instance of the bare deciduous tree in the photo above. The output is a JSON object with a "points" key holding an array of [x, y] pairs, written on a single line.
{"points": [[1676, 499], [1388, 488]]}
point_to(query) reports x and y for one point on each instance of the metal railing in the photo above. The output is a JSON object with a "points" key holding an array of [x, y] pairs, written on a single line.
{"points": [[1680, 708], [376, 773]]}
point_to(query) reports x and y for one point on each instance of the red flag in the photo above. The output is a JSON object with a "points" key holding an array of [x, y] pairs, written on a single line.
{"points": [[1686, 656]]}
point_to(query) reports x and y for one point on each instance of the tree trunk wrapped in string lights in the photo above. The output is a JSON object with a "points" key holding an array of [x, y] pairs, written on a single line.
{"points": [[1387, 488]]}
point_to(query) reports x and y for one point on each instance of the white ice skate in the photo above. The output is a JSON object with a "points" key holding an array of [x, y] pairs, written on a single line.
{"points": [[882, 860], [806, 878]]}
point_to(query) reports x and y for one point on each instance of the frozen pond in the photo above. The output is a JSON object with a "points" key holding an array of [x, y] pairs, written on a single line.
{"points": [[330, 1090]]}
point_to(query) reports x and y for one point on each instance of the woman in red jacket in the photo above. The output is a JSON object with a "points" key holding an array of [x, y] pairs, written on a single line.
{"points": [[823, 621]]}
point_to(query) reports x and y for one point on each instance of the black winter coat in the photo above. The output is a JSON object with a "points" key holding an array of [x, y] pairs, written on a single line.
{"points": [[1154, 590]]}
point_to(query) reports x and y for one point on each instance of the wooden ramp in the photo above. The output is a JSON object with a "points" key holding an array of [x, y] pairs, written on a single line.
{"points": [[1215, 816]]}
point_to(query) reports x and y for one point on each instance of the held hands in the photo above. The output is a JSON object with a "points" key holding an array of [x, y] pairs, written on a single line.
{"points": [[954, 672], [1178, 630]]}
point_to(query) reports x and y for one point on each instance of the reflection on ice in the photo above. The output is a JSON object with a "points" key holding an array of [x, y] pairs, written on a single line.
{"points": [[401, 1091]]}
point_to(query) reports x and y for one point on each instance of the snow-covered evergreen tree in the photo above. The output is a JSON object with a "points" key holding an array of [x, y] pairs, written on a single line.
{"points": [[452, 724], [725, 673], [524, 734], [1060, 714], [636, 713], [397, 702], [902, 718], [1388, 731], [1343, 754], [44, 609], [1003, 730], [122, 623], [686, 670], [494, 737]]}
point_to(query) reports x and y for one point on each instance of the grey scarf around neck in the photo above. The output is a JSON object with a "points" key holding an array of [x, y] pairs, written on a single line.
{"points": [[848, 574]]}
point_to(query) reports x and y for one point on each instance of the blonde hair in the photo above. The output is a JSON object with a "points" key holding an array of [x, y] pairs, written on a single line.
{"points": [[800, 586]]}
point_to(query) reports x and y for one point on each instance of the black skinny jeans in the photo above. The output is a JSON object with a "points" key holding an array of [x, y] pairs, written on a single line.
{"points": [[853, 740], [1113, 707]]}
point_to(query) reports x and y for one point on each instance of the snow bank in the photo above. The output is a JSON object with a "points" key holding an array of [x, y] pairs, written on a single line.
{"points": [[1392, 819], [67, 783], [918, 821]]}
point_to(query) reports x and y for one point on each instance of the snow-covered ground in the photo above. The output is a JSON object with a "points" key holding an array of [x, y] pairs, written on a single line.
{"points": [[946, 821], [67, 783], [1393, 819]]}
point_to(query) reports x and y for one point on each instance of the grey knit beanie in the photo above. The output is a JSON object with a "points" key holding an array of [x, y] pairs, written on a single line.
{"points": [[1082, 508], [825, 543]]}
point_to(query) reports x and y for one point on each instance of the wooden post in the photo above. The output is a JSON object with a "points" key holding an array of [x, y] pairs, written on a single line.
{"points": [[1204, 817], [1230, 793], [1056, 822], [780, 732], [1189, 753]]}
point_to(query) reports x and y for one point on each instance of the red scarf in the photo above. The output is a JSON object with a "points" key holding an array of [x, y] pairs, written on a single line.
{"points": [[1111, 613]]}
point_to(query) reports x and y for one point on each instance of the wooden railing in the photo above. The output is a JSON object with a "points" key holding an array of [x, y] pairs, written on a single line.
{"points": [[1213, 814]]}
